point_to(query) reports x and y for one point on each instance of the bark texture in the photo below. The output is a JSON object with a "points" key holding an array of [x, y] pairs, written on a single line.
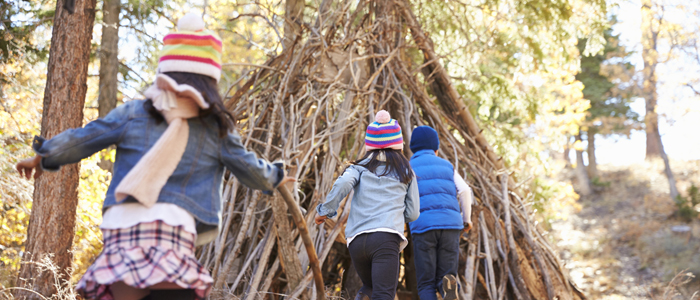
{"points": [[109, 62], [52, 222], [286, 249], [592, 162], [650, 34]]}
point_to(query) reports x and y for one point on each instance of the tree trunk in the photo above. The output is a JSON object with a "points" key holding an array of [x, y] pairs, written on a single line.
{"points": [[581, 174], [655, 147], [109, 64], [592, 163], [673, 190], [650, 33], [52, 222]]}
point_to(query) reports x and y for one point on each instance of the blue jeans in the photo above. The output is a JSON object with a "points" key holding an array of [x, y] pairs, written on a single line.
{"points": [[436, 254], [376, 259]]}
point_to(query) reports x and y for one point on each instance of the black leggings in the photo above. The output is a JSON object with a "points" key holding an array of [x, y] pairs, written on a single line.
{"points": [[176, 294], [376, 259]]}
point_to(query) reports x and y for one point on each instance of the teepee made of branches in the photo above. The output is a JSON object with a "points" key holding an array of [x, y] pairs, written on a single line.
{"points": [[310, 106]]}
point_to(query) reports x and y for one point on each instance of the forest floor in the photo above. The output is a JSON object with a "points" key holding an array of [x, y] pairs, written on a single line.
{"points": [[618, 243]]}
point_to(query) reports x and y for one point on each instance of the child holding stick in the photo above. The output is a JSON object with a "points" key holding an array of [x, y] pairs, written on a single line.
{"points": [[385, 198], [165, 193]]}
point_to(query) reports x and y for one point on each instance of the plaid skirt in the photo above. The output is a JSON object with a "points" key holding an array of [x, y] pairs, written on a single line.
{"points": [[144, 255]]}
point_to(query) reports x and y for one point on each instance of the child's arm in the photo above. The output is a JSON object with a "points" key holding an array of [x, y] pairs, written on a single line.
{"points": [[341, 188], [465, 196], [254, 172], [73, 145], [412, 202]]}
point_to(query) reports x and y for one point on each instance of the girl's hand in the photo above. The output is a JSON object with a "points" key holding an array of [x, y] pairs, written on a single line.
{"points": [[287, 179], [26, 167], [320, 219]]}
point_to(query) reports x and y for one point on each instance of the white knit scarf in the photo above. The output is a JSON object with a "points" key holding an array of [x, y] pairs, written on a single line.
{"points": [[177, 103]]}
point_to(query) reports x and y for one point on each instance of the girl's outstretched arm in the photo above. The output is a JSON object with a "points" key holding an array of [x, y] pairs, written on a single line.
{"points": [[254, 172], [341, 188], [75, 144], [412, 202]]}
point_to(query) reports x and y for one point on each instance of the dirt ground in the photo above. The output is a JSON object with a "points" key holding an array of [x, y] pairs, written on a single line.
{"points": [[619, 244]]}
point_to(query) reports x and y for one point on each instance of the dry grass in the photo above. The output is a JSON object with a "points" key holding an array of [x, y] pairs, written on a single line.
{"points": [[676, 289], [620, 244], [64, 288]]}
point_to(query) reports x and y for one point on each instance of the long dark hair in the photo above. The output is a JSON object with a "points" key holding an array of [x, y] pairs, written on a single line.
{"points": [[396, 164], [207, 86]]}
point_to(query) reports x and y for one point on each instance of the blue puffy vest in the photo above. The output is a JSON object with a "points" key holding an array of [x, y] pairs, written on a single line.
{"points": [[439, 207]]}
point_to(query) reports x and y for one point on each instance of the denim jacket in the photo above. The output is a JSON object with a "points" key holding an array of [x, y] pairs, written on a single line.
{"points": [[378, 201], [197, 182]]}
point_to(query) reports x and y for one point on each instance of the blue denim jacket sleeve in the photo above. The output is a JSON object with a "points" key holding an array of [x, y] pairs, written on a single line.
{"points": [[250, 170], [73, 145], [412, 202], [341, 188]]}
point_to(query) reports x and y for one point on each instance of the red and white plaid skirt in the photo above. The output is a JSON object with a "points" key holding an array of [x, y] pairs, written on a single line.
{"points": [[142, 256]]}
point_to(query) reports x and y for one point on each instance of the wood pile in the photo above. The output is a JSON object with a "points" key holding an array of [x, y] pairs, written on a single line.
{"points": [[310, 106]]}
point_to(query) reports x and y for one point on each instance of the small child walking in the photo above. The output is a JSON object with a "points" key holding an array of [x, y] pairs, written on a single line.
{"points": [[385, 198], [437, 231], [165, 194]]}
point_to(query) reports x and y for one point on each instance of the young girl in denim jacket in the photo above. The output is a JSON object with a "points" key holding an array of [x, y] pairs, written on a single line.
{"points": [[385, 198], [165, 193]]}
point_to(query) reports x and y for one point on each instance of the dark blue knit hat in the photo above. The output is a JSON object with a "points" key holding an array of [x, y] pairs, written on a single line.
{"points": [[424, 137]]}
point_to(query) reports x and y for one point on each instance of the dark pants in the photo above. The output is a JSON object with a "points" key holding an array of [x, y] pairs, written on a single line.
{"points": [[436, 254], [376, 259]]}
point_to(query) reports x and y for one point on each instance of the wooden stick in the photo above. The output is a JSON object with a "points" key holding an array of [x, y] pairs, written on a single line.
{"points": [[286, 250], [469, 284], [247, 263], [270, 275], [262, 264], [221, 276], [306, 238], [512, 253], [538, 259], [491, 274], [326, 249], [221, 239]]}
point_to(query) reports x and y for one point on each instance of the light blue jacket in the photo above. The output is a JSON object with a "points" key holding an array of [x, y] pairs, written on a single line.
{"points": [[196, 183], [378, 201]]}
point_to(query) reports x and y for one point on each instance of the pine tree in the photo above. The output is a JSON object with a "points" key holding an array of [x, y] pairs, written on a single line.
{"points": [[607, 78]]}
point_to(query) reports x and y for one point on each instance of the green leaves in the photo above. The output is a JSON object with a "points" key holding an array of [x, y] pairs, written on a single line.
{"points": [[607, 77]]}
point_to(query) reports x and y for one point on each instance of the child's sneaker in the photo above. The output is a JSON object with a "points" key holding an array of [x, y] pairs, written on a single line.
{"points": [[361, 296], [449, 287]]}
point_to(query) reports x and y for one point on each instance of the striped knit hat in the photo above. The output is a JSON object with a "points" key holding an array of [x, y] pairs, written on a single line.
{"points": [[384, 133], [192, 49]]}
